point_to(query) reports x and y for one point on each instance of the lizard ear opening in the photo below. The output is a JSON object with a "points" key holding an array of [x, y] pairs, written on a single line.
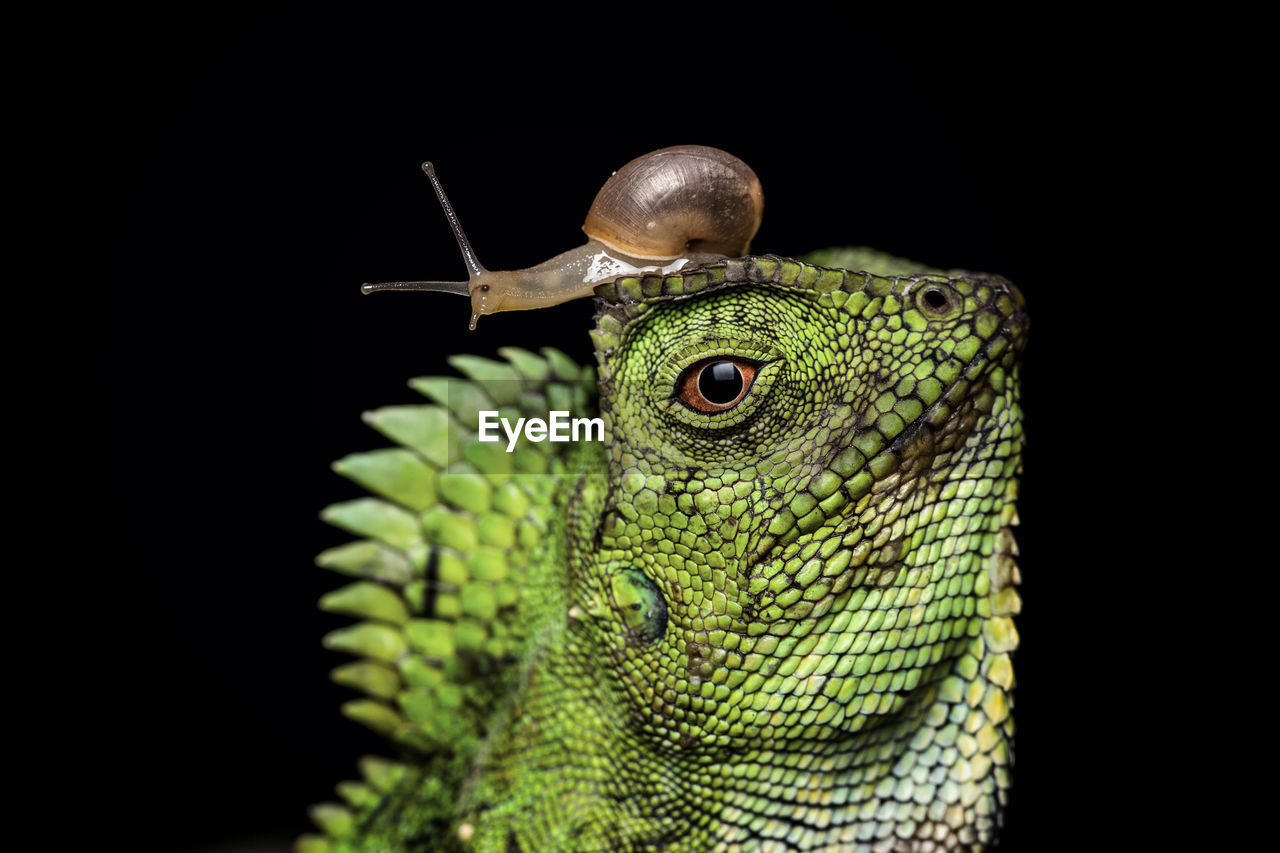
{"points": [[938, 300], [640, 604]]}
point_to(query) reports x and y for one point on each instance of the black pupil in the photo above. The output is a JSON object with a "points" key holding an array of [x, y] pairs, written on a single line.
{"points": [[721, 382], [936, 299]]}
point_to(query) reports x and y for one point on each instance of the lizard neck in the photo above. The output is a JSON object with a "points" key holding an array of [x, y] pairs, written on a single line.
{"points": [[932, 777]]}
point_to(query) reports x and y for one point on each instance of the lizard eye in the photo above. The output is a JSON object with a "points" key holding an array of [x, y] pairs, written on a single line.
{"points": [[716, 384]]}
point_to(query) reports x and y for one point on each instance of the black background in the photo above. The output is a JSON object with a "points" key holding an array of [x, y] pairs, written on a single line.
{"points": [[251, 167]]}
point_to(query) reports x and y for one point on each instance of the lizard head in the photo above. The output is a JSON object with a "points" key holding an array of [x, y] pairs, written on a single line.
{"points": [[790, 451]]}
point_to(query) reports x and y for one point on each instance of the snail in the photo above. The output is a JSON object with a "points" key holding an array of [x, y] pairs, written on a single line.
{"points": [[660, 212]]}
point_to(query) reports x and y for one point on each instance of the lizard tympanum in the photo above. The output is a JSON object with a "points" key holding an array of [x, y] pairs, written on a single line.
{"points": [[770, 611]]}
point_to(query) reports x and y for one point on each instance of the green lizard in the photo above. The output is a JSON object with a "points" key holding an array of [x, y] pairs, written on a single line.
{"points": [[771, 610]]}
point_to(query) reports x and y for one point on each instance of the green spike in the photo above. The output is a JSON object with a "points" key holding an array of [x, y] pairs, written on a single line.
{"points": [[465, 489], [449, 696], [376, 679], [415, 595], [396, 473], [462, 398], [419, 707], [862, 259], [497, 531], [312, 844], [358, 795], [510, 499], [427, 429], [369, 559], [334, 819], [371, 639], [479, 600], [534, 401], [450, 529], [528, 534], [565, 398], [500, 381], [529, 365], [432, 637], [434, 388], [490, 457], [530, 460], [448, 605], [451, 569], [487, 564], [508, 594], [416, 672], [368, 601], [561, 365], [414, 738], [469, 635], [377, 716], [418, 553], [382, 773], [376, 519], [603, 341], [481, 369]]}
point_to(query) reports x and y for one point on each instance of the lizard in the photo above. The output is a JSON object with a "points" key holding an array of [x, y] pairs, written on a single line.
{"points": [[772, 610]]}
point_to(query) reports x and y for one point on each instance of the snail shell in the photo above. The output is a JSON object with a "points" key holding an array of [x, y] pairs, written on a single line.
{"points": [[689, 198], [655, 214]]}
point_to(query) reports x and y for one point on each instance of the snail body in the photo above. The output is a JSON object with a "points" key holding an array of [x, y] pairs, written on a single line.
{"points": [[659, 213]]}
